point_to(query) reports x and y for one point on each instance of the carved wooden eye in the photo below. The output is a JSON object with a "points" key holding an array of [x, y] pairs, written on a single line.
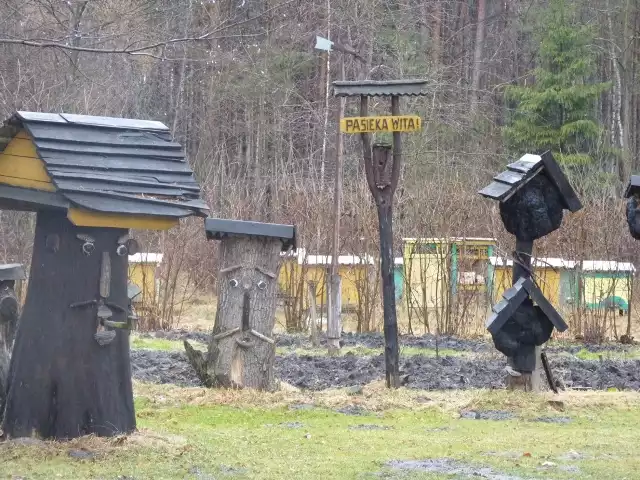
{"points": [[233, 283], [88, 248], [262, 284], [122, 250]]}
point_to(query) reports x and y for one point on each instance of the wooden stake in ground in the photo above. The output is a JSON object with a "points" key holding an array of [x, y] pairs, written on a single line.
{"points": [[242, 348], [70, 371], [383, 173]]}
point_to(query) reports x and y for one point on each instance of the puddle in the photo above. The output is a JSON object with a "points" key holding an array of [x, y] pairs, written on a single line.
{"points": [[487, 415], [448, 466]]}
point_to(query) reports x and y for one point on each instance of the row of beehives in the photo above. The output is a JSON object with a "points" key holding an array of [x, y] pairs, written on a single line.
{"points": [[143, 277], [469, 266]]}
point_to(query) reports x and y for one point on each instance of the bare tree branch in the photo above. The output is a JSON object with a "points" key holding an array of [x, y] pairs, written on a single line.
{"points": [[144, 49]]}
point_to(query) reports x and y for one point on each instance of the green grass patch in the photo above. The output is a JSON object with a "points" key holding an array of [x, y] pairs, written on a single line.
{"points": [[630, 354], [193, 433], [149, 343], [366, 351]]}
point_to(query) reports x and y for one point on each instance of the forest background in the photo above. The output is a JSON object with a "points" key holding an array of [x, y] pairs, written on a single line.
{"points": [[241, 86]]}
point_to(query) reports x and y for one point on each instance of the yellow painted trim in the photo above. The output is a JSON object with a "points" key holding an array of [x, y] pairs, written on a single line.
{"points": [[20, 165], [86, 218]]}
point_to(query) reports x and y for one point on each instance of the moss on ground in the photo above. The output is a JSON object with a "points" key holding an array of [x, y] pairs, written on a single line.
{"points": [[193, 433]]}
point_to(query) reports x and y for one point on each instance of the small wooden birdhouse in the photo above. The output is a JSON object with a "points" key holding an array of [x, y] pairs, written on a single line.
{"points": [[518, 326], [533, 192], [632, 193], [521, 172]]}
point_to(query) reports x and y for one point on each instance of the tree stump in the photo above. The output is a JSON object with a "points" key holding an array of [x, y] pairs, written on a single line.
{"points": [[241, 352], [8, 324], [69, 374]]}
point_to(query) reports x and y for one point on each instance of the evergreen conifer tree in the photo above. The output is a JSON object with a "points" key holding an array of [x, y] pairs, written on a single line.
{"points": [[557, 111]]}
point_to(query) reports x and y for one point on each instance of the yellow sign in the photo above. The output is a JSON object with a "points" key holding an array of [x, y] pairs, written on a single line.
{"points": [[399, 123]]}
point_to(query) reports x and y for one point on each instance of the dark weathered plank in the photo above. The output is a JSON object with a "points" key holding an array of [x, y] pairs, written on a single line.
{"points": [[40, 117], [525, 163], [30, 199], [130, 179], [104, 202], [12, 271], [347, 88], [83, 134], [87, 186], [552, 314], [495, 190], [512, 178], [114, 122], [122, 163], [557, 176], [503, 310], [57, 146], [217, 228], [195, 204]]}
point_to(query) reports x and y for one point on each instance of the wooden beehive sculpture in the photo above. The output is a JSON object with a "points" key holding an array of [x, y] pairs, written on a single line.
{"points": [[533, 193], [90, 180], [632, 194], [9, 311], [242, 349]]}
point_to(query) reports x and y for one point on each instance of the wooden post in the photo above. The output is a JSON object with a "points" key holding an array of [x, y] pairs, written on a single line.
{"points": [[334, 311], [313, 314], [527, 381], [382, 174]]}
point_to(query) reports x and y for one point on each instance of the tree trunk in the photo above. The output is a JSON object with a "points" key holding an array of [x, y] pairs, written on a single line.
{"points": [[8, 324], [313, 315], [63, 382], [242, 350], [476, 70], [389, 294], [334, 309]]}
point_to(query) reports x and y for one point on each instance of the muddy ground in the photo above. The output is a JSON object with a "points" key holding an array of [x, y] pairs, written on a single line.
{"points": [[480, 369]]}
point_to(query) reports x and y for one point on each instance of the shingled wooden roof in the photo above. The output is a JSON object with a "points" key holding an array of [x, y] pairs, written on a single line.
{"points": [[98, 164]]}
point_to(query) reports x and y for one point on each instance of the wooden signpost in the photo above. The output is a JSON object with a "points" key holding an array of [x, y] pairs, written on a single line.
{"points": [[399, 123], [382, 167]]}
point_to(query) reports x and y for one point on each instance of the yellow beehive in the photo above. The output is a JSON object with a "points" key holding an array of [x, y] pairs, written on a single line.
{"points": [[143, 268]]}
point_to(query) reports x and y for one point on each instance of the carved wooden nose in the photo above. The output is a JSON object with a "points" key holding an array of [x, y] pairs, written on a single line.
{"points": [[245, 312]]}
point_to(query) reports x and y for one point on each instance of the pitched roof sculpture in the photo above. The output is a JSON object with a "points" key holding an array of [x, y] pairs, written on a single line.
{"points": [[100, 169]]}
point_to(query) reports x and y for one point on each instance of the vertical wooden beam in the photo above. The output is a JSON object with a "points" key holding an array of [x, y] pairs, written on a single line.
{"points": [[384, 202], [528, 381], [334, 320]]}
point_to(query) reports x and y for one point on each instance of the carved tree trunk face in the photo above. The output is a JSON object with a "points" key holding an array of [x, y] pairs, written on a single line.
{"points": [[63, 383], [242, 349]]}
